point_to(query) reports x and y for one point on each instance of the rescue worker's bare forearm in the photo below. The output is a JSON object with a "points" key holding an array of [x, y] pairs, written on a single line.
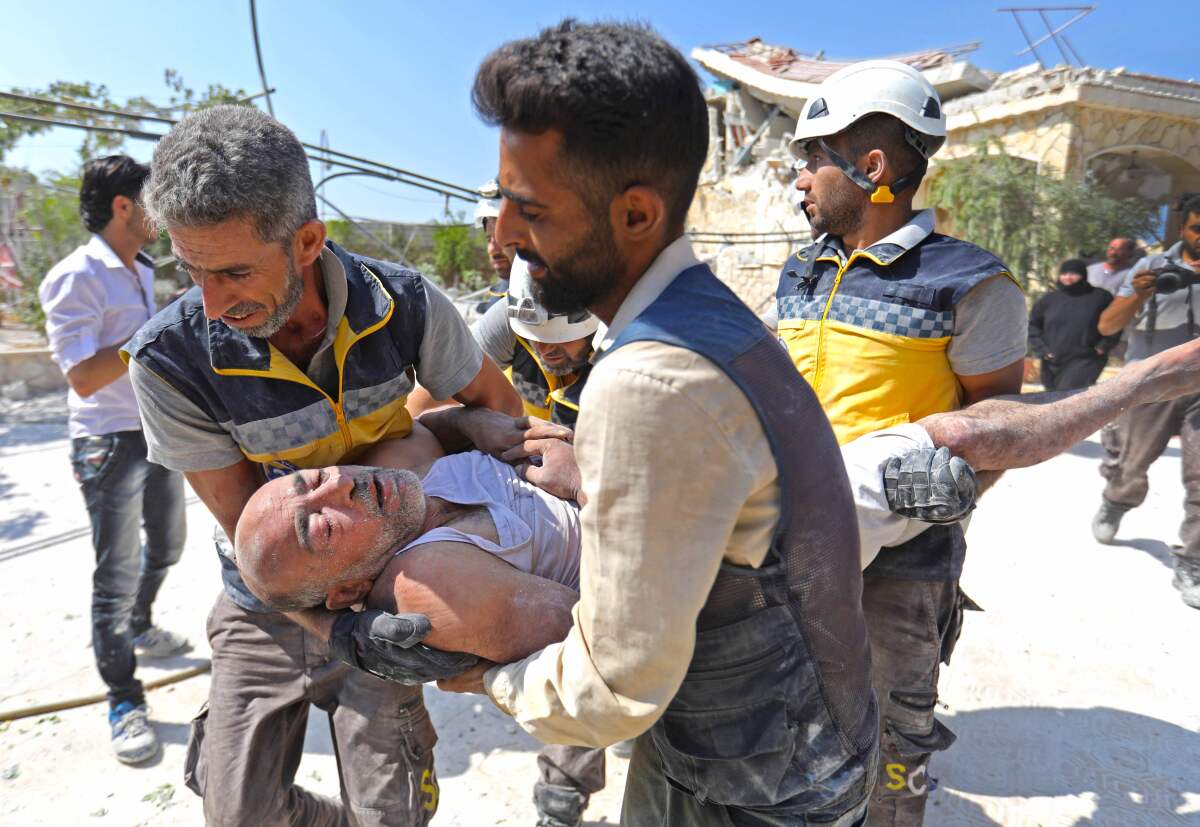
{"points": [[226, 491], [1016, 432]]}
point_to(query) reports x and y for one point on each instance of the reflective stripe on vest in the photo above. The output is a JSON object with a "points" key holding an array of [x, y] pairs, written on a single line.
{"points": [[543, 394], [870, 333], [277, 415]]}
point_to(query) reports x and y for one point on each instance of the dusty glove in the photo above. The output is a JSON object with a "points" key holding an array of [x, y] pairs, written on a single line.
{"points": [[930, 485], [389, 646]]}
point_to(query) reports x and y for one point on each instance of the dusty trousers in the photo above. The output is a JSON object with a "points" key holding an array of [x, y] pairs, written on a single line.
{"points": [[913, 625], [1144, 433], [567, 777], [246, 743], [651, 798]]}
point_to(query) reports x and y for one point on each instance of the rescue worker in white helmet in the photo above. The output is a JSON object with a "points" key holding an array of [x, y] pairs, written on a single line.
{"points": [[546, 355], [548, 358], [890, 321], [487, 209]]}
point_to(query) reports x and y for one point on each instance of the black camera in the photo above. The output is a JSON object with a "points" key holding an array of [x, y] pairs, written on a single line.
{"points": [[1171, 277]]}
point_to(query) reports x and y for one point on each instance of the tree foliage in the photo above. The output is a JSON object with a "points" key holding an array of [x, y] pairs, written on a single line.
{"points": [[39, 217], [459, 254], [181, 100], [1033, 220]]}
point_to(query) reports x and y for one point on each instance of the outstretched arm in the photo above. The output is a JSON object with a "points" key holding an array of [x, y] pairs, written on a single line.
{"points": [[1019, 431], [476, 602]]}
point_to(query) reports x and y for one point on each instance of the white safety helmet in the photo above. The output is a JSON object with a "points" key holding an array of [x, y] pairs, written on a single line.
{"points": [[529, 320], [855, 91], [489, 205]]}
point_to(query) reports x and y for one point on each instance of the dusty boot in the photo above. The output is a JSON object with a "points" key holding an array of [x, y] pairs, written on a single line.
{"points": [[1187, 580], [558, 806], [1107, 521]]}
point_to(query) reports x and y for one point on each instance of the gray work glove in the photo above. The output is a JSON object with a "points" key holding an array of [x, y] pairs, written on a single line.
{"points": [[389, 647], [930, 485]]}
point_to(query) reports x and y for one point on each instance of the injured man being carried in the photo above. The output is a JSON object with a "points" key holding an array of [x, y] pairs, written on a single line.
{"points": [[490, 559], [493, 561]]}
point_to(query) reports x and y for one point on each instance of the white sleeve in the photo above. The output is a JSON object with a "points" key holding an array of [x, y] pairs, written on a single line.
{"points": [[74, 306], [865, 458]]}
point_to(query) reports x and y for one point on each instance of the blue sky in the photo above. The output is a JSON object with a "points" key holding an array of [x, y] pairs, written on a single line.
{"points": [[391, 80]]}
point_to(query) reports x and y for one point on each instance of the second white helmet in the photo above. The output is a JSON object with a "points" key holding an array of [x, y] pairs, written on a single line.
{"points": [[860, 89], [530, 320], [489, 205]]}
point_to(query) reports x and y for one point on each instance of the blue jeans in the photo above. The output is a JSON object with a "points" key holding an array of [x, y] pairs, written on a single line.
{"points": [[124, 494]]}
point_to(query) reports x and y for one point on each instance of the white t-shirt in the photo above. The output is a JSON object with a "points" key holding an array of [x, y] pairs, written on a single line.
{"points": [[539, 533]]}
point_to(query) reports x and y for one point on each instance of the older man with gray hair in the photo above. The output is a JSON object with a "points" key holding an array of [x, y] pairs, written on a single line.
{"points": [[293, 353]]}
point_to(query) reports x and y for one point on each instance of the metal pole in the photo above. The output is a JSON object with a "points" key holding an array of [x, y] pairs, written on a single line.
{"points": [[262, 73], [1050, 30], [135, 133], [1028, 40], [83, 107]]}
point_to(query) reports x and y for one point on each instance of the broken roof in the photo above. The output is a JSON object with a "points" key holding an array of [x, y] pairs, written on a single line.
{"points": [[785, 62], [785, 76]]}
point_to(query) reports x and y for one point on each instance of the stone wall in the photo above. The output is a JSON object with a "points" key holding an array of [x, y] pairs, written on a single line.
{"points": [[29, 372], [754, 199]]}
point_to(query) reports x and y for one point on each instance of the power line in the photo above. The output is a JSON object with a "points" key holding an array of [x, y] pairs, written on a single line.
{"points": [[134, 133], [262, 73], [154, 136], [463, 193]]}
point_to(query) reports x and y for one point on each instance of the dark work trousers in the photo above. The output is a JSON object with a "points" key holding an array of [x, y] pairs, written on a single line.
{"points": [[651, 799], [1144, 432], [125, 494], [1072, 373], [247, 741], [913, 626], [580, 768]]}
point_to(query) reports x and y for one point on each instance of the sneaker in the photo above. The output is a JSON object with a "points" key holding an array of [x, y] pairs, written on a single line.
{"points": [[133, 739], [159, 643], [1187, 581], [1107, 521]]}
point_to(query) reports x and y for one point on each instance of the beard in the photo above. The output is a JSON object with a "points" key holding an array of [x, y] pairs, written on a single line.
{"points": [[566, 368], [293, 290], [398, 525], [580, 277], [840, 211]]}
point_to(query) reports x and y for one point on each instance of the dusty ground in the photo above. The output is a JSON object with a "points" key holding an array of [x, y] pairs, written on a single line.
{"points": [[1074, 695]]}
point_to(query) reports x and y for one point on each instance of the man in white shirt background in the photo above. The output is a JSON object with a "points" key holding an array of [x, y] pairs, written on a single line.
{"points": [[95, 300]]}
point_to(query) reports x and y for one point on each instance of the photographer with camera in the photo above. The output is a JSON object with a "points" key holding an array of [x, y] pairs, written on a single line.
{"points": [[1158, 298]]}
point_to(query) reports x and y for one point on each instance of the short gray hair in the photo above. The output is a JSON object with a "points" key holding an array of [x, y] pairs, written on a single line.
{"points": [[231, 162]]}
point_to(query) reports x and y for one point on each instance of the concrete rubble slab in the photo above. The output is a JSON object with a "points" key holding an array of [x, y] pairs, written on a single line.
{"points": [[1073, 694]]}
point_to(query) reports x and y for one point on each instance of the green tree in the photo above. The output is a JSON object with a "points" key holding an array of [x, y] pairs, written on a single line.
{"points": [[39, 218], [181, 100], [43, 226], [459, 254], [1033, 220]]}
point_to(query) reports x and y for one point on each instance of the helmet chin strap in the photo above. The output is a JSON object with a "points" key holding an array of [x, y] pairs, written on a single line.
{"points": [[879, 193]]}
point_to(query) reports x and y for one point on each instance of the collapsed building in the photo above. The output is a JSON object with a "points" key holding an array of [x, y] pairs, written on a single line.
{"points": [[1136, 134]]}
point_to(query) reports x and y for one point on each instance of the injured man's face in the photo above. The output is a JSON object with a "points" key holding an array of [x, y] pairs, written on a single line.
{"points": [[309, 538]]}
